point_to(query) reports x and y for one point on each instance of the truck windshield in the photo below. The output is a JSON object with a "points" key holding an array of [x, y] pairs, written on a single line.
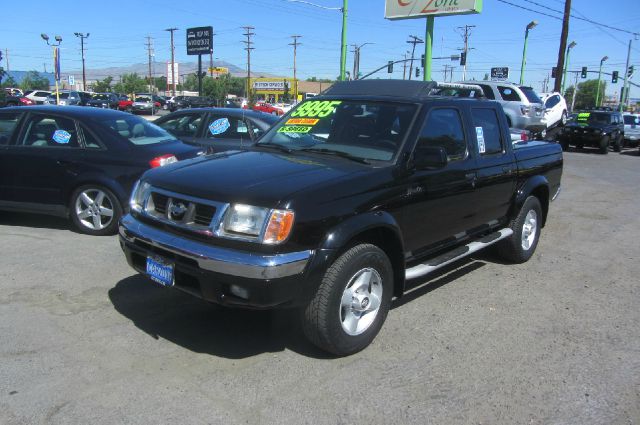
{"points": [[361, 129]]}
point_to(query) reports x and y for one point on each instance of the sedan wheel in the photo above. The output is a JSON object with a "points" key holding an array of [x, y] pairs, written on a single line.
{"points": [[95, 210]]}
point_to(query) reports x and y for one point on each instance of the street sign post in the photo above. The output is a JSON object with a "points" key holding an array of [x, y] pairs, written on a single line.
{"points": [[412, 9], [500, 73], [199, 42]]}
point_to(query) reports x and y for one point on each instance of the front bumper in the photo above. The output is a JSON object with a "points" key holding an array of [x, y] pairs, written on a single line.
{"points": [[217, 274]]}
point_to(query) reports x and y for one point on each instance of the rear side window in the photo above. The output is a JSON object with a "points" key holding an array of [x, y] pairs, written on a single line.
{"points": [[183, 125], [227, 128], [531, 94], [50, 131], [488, 91], [487, 129], [444, 128], [552, 101], [8, 123], [509, 94]]}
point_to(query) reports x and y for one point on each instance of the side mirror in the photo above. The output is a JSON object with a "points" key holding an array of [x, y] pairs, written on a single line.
{"points": [[425, 157]]}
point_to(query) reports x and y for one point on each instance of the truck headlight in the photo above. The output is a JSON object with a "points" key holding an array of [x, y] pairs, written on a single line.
{"points": [[138, 195], [257, 224]]}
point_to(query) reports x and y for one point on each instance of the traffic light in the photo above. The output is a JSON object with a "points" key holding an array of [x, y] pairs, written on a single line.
{"points": [[629, 71], [614, 77], [583, 74], [554, 72], [424, 62], [417, 72], [463, 58], [390, 67]]}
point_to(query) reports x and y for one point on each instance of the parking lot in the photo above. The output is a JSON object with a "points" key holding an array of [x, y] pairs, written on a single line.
{"points": [[85, 340]]}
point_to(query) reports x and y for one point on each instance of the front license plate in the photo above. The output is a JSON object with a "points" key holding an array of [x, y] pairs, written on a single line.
{"points": [[159, 270]]}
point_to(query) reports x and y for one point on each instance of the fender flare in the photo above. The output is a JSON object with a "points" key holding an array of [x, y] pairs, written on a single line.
{"points": [[101, 180], [533, 184]]}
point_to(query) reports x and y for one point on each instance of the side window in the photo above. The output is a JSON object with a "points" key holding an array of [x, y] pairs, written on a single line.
{"points": [[488, 91], [552, 101], [487, 129], [509, 94], [50, 131], [8, 123], [90, 141], [444, 128], [183, 125], [227, 128]]}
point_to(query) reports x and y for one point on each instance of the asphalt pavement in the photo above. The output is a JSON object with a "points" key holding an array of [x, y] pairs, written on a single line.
{"points": [[85, 340]]}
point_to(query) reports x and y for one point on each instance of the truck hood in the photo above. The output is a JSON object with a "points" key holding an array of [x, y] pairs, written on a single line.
{"points": [[255, 177]]}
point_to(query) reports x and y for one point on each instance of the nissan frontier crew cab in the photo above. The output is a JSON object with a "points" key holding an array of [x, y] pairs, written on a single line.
{"points": [[349, 196]]}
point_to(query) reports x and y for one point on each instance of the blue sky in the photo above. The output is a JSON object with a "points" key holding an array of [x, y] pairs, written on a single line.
{"points": [[118, 30]]}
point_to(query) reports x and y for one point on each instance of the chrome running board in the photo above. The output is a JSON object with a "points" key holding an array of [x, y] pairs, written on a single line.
{"points": [[449, 257]]}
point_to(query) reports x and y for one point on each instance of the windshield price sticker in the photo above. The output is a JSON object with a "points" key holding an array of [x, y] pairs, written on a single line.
{"points": [[480, 137], [303, 121], [584, 116], [294, 129], [219, 126], [316, 108], [61, 136]]}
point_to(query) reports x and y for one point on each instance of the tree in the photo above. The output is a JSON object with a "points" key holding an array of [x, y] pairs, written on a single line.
{"points": [[103, 86], [486, 77], [34, 81], [285, 95], [320, 80], [586, 97], [9, 82], [130, 84]]}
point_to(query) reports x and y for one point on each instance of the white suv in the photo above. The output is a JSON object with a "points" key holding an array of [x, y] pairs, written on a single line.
{"points": [[38, 96], [556, 109]]}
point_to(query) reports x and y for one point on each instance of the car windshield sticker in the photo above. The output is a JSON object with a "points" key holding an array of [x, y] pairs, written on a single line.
{"points": [[219, 126], [303, 121], [61, 136], [583, 116], [294, 129], [316, 108], [480, 137]]}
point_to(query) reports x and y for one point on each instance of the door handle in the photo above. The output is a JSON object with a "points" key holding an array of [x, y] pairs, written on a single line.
{"points": [[63, 162], [507, 170]]}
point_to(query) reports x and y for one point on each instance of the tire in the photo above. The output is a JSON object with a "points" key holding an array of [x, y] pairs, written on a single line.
{"points": [[604, 145], [563, 118], [618, 146], [520, 246], [341, 330], [95, 210]]}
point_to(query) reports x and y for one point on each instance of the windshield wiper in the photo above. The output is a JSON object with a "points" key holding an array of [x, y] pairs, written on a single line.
{"points": [[275, 145], [341, 154]]}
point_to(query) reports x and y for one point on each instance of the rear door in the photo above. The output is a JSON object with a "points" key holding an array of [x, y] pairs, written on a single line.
{"points": [[496, 170]]}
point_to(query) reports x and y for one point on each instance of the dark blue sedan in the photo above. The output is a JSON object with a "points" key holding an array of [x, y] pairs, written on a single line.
{"points": [[79, 163]]}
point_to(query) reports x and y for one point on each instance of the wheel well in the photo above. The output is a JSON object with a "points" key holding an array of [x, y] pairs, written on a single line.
{"points": [[388, 241], [96, 183], [542, 193]]}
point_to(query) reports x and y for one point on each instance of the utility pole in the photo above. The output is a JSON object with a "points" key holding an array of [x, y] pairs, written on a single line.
{"points": [[173, 65], [575, 92], [625, 87], [295, 45], [563, 46], [149, 45], [445, 72], [343, 48], [465, 36], [356, 52], [84, 75], [6, 57], [249, 33], [414, 40]]}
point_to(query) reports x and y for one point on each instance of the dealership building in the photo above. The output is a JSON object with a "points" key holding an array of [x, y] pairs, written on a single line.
{"points": [[272, 89]]}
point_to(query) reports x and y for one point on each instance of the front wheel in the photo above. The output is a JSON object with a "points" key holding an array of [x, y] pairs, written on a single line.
{"points": [[521, 245], [352, 302], [604, 145], [95, 210], [563, 118], [619, 141]]}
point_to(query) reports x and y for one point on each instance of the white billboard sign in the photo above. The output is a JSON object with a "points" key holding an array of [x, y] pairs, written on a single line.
{"points": [[269, 85], [175, 72], [408, 9]]}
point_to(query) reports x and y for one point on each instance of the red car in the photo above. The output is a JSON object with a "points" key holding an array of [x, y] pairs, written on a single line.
{"points": [[125, 104], [268, 108]]}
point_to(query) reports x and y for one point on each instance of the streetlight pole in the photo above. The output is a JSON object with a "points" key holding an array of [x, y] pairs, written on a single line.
{"points": [[530, 26], [343, 50], [566, 66], [56, 61], [84, 75], [599, 78], [356, 59]]}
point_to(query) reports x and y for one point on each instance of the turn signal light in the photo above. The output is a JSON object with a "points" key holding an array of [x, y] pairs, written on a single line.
{"points": [[163, 160], [279, 226]]}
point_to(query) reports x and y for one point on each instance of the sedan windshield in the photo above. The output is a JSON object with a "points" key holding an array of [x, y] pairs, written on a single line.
{"points": [[138, 131], [358, 129]]}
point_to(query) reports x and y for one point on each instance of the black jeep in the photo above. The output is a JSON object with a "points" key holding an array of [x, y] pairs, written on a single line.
{"points": [[598, 128]]}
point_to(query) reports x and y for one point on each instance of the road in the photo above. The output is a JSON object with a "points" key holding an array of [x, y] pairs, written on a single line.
{"points": [[84, 340]]}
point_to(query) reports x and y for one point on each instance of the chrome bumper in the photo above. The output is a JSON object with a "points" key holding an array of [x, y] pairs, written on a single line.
{"points": [[213, 258]]}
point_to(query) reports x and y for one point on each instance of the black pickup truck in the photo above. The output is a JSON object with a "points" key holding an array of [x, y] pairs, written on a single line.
{"points": [[343, 201]]}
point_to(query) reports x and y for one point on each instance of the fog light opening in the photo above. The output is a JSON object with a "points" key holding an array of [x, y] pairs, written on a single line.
{"points": [[239, 292]]}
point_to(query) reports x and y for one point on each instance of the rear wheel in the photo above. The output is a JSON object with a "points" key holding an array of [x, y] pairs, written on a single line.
{"points": [[352, 301], [95, 210], [604, 145], [618, 146], [520, 246]]}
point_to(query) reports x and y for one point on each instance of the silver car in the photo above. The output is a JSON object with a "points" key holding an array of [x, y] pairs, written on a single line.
{"points": [[67, 97], [521, 104], [631, 129]]}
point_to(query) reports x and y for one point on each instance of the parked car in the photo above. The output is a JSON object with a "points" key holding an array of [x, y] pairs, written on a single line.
{"points": [[104, 100], [600, 129], [9, 100], [555, 109], [38, 96], [217, 129], [267, 108], [67, 98], [12, 91], [143, 104], [521, 104], [184, 102], [631, 130], [125, 104], [370, 185], [78, 162]]}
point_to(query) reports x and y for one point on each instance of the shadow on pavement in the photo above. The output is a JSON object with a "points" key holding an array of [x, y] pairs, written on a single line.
{"points": [[631, 152], [39, 221], [207, 328]]}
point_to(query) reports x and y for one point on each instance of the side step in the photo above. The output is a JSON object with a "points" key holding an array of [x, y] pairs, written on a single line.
{"points": [[449, 257]]}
